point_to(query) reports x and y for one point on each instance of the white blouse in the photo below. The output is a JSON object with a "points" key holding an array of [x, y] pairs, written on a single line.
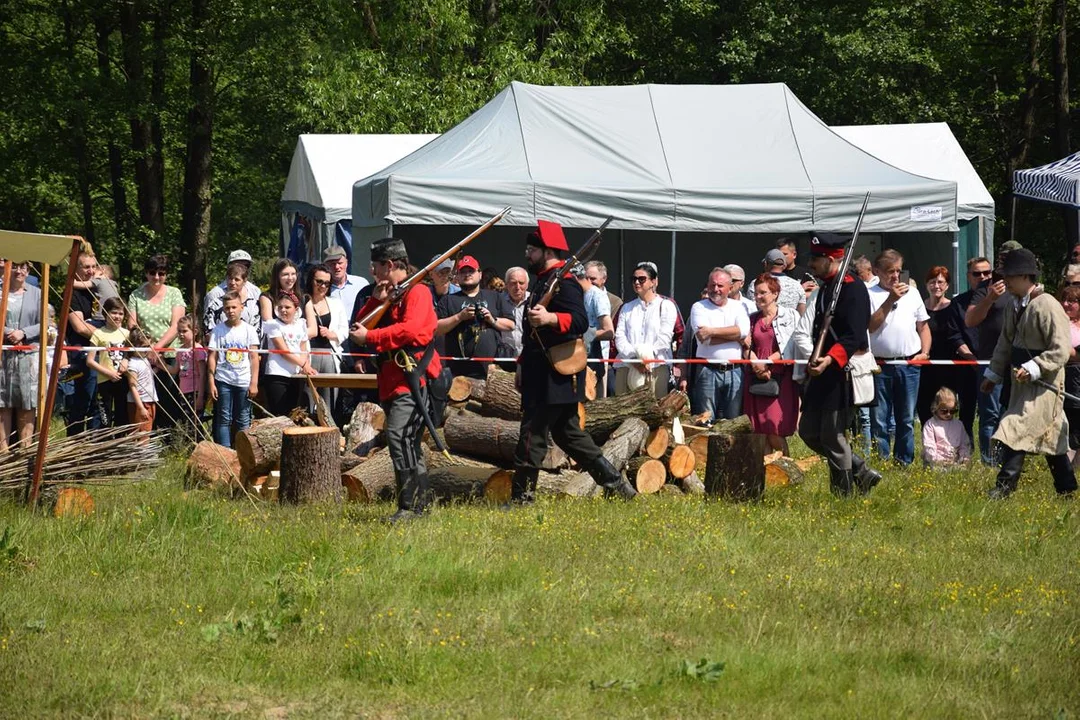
{"points": [[645, 327]]}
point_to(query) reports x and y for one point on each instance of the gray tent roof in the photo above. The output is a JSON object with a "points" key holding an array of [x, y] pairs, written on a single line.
{"points": [[720, 158]]}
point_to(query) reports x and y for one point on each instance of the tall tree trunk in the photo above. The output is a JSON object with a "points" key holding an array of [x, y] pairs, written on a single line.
{"points": [[1019, 148], [1062, 144], [121, 211], [157, 103], [198, 168], [77, 119], [151, 202]]}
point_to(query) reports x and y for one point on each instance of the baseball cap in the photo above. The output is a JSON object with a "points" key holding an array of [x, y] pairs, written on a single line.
{"points": [[334, 252], [736, 272], [468, 262], [774, 257], [239, 256], [447, 264]]}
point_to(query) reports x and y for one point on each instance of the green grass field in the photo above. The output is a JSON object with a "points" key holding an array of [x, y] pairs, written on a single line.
{"points": [[924, 600]]}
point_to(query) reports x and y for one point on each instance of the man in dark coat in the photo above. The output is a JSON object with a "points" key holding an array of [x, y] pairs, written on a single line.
{"points": [[549, 399], [827, 403]]}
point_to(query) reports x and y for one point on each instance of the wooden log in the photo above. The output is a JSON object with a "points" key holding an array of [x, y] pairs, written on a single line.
{"points": [[808, 462], [212, 465], [259, 447], [73, 502], [371, 480], [493, 439], [782, 471], [434, 459], [680, 461], [349, 461], [657, 444], [605, 414], [625, 442], [572, 484], [310, 465], [501, 399], [734, 468], [366, 429], [646, 474], [733, 426], [590, 384], [266, 487], [462, 389], [674, 404], [670, 489], [498, 488], [459, 482], [700, 445], [692, 485]]}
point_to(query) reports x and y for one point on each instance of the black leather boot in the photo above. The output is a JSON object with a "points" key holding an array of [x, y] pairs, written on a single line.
{"points": [[411, 494], [1012, 464], [613, 482], [1064, 477], [841, 482], [523, 486], [866, 478]]}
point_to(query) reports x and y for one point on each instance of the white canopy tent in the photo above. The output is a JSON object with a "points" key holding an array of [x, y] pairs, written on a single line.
{"points": [[317, 199], [1057, 182], [931, 150], [670, 158]]}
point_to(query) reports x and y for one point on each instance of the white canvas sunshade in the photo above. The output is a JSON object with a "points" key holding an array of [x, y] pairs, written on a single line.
{"points": [[1057, 182], [324, 168], [35, 247], [709, 158]]}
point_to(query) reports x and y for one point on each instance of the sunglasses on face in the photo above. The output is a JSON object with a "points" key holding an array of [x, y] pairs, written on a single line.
{"points": [[157, 273], [322, 283], [982, 273], [639, 279], [946, 411]]}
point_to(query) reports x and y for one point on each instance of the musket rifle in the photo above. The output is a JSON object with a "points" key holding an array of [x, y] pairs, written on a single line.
{"points": [[373, 317], [845, 264]]}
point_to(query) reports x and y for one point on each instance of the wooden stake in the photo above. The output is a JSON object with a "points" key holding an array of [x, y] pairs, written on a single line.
{"points": [[43, 346]]}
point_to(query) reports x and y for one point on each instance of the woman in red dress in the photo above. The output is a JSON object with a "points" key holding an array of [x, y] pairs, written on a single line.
{"points": [[771, 329]]}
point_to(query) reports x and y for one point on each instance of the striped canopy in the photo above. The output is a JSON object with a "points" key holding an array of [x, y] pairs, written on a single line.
{"points": [[1058, 182]]}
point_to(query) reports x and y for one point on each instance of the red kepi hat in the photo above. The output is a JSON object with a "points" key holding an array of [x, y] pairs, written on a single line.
{"points": [[548, 235]]}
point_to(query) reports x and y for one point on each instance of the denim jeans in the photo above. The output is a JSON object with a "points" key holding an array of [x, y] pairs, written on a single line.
{"points": [[896, 388], [989, 415], [862, 416], [82, 412], [717, 391], [231, 409]]}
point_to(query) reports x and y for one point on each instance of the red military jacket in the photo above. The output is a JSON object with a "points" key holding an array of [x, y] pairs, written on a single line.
{"points": [[408, 324]]}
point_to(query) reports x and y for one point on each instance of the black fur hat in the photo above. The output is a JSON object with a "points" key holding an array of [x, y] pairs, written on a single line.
{"points": [[1020, 262], [388, 250]]}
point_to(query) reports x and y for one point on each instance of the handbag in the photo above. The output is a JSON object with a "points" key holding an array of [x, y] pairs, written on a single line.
{"points": [[862, 369], [568, 358], [765, 388]]}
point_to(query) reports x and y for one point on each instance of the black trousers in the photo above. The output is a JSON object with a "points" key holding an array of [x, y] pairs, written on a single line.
{"points": [[1012, 464], [562, 422], [282, 393], [113, 395]]}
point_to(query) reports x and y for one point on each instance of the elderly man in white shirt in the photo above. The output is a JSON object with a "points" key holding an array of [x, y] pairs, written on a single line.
{"points": [[898, 331], [719, 324], [517, 283], [343, 286], [738, 288], [645, 331]]}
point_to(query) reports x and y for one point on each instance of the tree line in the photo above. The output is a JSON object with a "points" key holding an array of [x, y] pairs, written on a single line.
{"points": [[168, 125]]}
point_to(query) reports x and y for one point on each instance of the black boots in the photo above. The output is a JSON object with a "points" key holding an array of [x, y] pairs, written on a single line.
{"points": [[866, 478], [413, 494], [523, 486], [841, 482], [1012, 464], [613, 482]]}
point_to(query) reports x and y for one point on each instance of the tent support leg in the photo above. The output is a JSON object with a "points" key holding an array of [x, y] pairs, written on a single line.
{"points": [[622, 263], [1012, 219], [956, 258], [671, 283]]}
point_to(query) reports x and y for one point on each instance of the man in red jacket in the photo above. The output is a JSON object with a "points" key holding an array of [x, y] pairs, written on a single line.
{"points": [[402, 340]]}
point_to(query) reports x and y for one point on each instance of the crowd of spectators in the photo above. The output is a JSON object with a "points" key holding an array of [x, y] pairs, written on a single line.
{"points": [[726, 353]]}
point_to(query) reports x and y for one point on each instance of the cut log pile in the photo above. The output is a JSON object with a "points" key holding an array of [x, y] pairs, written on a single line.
{"points": [[635, 432]]}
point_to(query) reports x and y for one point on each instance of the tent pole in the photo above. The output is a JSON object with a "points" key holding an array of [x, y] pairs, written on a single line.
{"points": [[54, 373], [43, 343], [956, 259], [1012, 219], [671, 282], [622, 264]]}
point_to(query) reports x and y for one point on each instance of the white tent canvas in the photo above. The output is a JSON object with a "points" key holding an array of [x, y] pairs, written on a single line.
{"points": [[930, 150], [688, 158]]}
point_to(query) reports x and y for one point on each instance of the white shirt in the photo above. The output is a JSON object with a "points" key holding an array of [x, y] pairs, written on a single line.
{"points": [[791, 293], [749, 305], [233, 345], [144, 380], [645, 327], [347, 293], [897, 337], [294, 334], [706, 313], [513, 336]]}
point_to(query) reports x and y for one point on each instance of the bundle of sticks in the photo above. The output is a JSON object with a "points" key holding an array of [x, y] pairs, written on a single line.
{"points": [[95, 457]]}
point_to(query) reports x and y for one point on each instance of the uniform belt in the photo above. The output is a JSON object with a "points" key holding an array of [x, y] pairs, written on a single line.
{"points": [[389, 356], [902, 357], [721, 367]]}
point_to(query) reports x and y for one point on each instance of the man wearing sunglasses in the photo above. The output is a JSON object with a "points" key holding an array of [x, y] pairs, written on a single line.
{"points": [[965, 342]]}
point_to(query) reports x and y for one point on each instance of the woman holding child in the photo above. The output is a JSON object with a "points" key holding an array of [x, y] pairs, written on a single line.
{"points": [[156, 308]]}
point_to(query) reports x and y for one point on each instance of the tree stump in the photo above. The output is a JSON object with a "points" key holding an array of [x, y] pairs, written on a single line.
{"points": [[212, 465], [501, 399], [462, 389], [782, 471], [657, 444], [646, 474], [73, 502], [733, 426], [670, 489], [692, 485], [699, 443], [735, 469], [681, 461], [366, 429], [259, 447], [310, 464]]}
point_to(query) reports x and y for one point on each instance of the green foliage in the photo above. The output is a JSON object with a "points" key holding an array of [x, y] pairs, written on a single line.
{"points": [[704, 670]]}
